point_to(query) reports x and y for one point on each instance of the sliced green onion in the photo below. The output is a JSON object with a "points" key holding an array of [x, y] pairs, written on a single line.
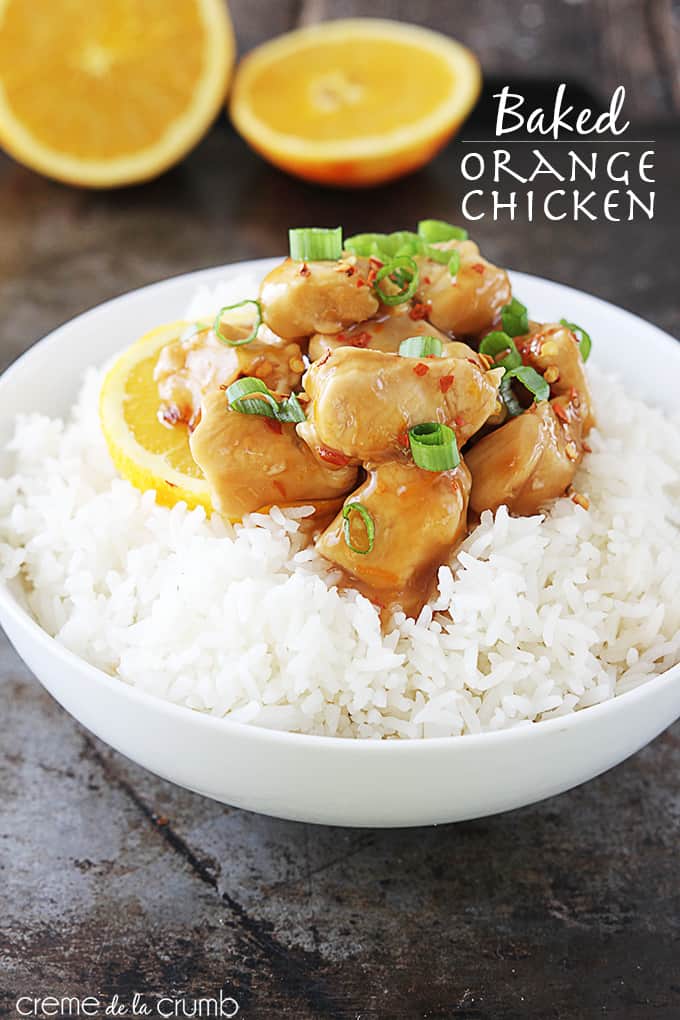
{"points": [[435, 231], [369, 524], [251, 396], [584, 341], [440, 255], [530, 380], [386, 246], [454, 263], [240, 398], [512, 404], [229, 308], [402, 242], [366, 245], [515, 319], [315, 243], [421, 347], [406, 271], [495, 344], [434, 446], [290, 410]]}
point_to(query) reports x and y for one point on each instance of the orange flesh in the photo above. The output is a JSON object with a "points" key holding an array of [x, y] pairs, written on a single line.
{"points": [[137, 63], [334, 92]]}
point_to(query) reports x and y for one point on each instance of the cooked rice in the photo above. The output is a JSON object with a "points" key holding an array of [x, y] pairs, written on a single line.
{"points": [[535, 617]]}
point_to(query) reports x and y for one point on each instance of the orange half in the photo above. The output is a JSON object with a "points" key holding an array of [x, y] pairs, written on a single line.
{"points": [[108, 92], [355, 101]]}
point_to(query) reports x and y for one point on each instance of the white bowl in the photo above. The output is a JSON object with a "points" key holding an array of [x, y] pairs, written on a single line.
{"points": [[322, 779]]}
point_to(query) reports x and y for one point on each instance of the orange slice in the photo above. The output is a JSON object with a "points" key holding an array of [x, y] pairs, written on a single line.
{"points": [[356, 101], [148, 453], [108, 92]]}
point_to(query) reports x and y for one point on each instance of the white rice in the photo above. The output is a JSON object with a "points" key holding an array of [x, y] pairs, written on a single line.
{"points": [[535, 617]]}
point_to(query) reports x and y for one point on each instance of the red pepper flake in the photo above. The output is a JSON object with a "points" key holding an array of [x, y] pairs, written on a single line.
{"points": [[459, 421], [427, 281], [445, 383], [360, 340], [341, 338], [280, 488], [372, 273], [376, 263], [403, 439], [361, 282], [421, 369], [333, 456], [171, 414], [171, 484], [273, 425], [587, 448], [419, 311], [305, 270], [561, 413], [478, 267]]}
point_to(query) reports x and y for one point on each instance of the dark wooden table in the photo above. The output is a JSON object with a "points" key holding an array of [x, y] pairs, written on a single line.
{"points": [[112, 881]]}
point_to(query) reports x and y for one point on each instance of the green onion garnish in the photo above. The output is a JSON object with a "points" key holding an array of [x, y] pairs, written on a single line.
{"points": [[229, 308], [241, 400], [290, 410], [531, 380], [369, 524], [365, 245], [440, 255], [315, 243], [251, 396], [512, 404], [495, 344], [434, 446], [402, 242], [454, 263], [421, 347], [584, 341], [406, 272], [515, 319], [435, 231], [385, 246]]}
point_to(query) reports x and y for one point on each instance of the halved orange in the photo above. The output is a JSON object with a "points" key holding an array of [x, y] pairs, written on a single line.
{"points": [[355, 101], [109, 92]]}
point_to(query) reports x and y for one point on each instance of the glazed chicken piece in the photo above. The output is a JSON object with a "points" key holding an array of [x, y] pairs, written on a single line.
{"points": [[553, 351], [364, 401], [531, 459], [188, 369], [383, 333], [468, 304], [251, 462], [301, 298], [419, 518]]}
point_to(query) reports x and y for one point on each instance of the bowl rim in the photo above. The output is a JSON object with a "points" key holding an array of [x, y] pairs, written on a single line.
{"points": [[524, 730]]}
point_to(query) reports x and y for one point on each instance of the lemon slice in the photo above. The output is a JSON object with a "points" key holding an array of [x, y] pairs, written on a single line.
{"points": [[148, 453]]}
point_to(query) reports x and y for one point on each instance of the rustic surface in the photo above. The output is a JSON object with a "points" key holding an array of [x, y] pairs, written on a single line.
{"points": [[112, 881]]}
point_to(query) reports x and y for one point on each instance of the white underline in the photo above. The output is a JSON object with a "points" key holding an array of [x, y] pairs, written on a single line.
{"points": [[560, 141]]}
